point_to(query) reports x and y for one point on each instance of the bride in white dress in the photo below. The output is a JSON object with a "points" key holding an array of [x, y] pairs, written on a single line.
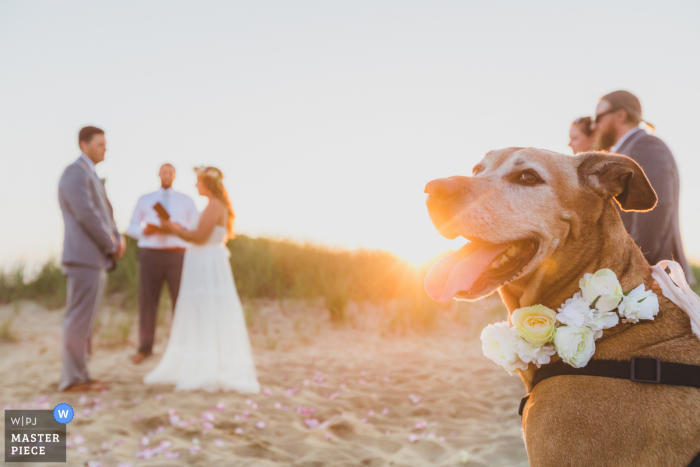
{"points": [[209, 347]]}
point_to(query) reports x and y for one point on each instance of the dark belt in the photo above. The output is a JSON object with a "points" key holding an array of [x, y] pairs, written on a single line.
{"points": [[167, 250], [639, 369]]}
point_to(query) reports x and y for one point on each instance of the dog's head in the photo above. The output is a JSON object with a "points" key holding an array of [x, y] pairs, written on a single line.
{"points": [[518, 209]]}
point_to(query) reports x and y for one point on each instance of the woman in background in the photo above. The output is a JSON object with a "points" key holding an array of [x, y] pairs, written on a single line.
{"points": [[209, 347], [581, 136]]}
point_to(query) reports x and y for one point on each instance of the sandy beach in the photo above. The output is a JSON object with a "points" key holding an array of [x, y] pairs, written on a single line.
{"points": [[346, 395]]}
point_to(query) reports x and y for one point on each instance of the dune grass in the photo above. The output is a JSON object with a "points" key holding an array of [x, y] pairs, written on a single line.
{"points": [[270, 269]]}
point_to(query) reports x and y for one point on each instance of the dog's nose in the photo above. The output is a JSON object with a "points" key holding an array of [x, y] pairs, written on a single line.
{"points": [[442, 189]]}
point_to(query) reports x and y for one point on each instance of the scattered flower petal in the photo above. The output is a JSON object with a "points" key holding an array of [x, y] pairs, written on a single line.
{"points": [[238, 431], [172, 455], [219, 442], [221, 405], [420, 425], [267, 392], [196, 449], [463, 457], [260, 425], [413, 437], [312, 423], [415, 398]]}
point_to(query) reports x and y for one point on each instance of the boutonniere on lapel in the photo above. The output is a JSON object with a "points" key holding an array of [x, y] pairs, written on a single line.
{"points": [[535, 333]]}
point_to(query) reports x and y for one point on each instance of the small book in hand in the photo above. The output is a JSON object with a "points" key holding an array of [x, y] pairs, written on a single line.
{"points": [[160, 210]]}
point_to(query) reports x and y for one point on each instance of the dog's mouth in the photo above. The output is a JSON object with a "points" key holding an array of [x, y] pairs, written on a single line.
{"points": [[477, 269]]}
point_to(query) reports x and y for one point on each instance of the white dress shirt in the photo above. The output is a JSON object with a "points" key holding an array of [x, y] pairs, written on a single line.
{"points": [[181, 209], [624, 138]]}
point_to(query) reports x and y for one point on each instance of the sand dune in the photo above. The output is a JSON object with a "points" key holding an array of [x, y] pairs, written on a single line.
{"points": [[347, 397]]}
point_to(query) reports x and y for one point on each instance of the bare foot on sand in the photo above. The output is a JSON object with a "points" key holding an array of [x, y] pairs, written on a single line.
{"points": [[138, 358]]}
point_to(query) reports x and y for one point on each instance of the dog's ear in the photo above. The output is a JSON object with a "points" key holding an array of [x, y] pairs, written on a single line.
{"points": [[612, 175]]}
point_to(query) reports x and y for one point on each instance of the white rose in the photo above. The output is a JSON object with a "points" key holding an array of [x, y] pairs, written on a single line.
{"points": [[539, 355], [499, 342], [604, 286], [575, 344], [639, 304], [576, 311]]}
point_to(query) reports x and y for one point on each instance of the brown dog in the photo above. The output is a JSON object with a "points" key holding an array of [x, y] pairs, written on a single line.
{"points": [[537, 222]]}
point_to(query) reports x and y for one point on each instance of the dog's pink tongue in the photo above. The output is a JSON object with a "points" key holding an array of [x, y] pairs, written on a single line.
{"points": [[458, 271]]}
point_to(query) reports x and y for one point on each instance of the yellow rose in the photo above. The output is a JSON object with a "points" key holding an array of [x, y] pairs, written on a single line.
{"points": [[535, 324]]}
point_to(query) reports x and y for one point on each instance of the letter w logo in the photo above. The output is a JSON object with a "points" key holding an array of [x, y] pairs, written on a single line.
{"points": [[63, 413]]}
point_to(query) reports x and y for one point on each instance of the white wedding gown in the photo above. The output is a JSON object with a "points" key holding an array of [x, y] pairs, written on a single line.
{"points": [[209, 347]]}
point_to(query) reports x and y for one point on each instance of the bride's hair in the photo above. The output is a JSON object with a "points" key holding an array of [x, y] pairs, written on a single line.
{"points": [[213, 179]]}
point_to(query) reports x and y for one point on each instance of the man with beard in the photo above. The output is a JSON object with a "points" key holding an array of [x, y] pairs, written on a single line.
{"points": [[161, 255], [657, 232]]}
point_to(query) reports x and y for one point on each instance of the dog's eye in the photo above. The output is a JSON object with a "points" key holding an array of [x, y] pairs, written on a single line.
{"points": [[528, 178]]}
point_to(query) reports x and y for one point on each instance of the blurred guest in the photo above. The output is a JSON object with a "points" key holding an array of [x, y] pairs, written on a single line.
{"points": [[161, 255], [91, 246], [657, 232], [581, 135]]}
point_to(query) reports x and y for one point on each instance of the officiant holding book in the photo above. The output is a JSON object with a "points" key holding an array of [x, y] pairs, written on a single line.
{"points": [[161, 255]]}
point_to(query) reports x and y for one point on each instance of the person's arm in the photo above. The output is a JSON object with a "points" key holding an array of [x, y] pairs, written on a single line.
{"points": [[75, 190], [135, 230], [208, 220], [657, 161]]}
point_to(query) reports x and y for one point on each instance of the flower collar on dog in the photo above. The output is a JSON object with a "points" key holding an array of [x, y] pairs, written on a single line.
{"points": [[537, 332]]}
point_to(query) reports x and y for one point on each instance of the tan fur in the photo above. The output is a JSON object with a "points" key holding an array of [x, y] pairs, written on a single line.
{"points": [[581, 420]]}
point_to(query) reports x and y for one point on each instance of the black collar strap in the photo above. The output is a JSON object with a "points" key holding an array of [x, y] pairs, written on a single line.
{"points": [[639, 369]]}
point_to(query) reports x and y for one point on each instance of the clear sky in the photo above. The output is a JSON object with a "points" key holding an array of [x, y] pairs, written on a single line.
{"points": [[327, 118]]}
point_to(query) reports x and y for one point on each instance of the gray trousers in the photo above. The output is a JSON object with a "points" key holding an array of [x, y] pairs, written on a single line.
{"points": [[85, 289], [156, 267]]}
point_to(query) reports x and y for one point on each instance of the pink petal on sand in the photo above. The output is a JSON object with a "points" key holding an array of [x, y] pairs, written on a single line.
{"points": [[238, 431], [290, 392], [208, 416], [136, 417], [160, 428], [207, 426], [260, 424], [172, 455], [387, 432], [420, 425], [83, 450], [370, 413], [93, 464], [254, 406], [174, 420], [165, 444], [78, 439], [220, 406], [415, 398], [362, 381], [413, 438], [86, 412], [106, 446], [196, 449], [334, 396], [319, 379], [83, 400], [124, 464], [267, 392], [219, 442], [159, 397], [145, 441], [327, 436], [385, 411], [70, 445], [312, 423]]}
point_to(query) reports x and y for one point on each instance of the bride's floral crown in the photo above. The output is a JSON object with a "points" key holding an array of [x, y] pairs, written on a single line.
{"points": [[535, 333], [210, 172]]}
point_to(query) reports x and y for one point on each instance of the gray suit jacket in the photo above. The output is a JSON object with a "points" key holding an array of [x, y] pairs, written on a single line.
{"points": [[657, 232], [91, 235]]}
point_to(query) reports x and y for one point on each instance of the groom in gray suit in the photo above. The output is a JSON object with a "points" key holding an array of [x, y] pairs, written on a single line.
{"points": [[91, 247]]}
